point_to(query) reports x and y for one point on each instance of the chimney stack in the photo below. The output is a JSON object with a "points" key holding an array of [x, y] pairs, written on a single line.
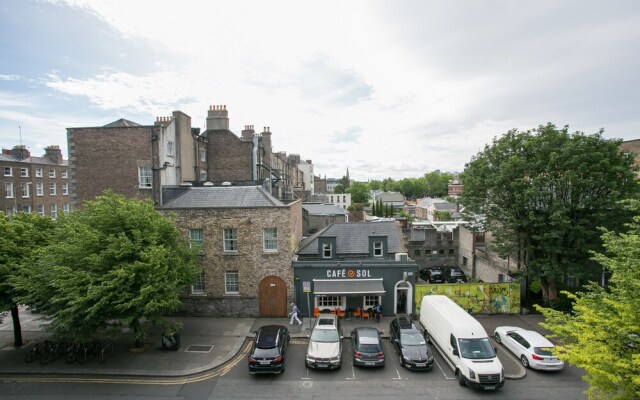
{"points": [[248, 132], [19, 152], [54, 153], [218, 118]]}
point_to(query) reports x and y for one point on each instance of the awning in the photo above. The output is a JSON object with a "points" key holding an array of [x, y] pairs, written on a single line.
{"points": [[346, 287]]}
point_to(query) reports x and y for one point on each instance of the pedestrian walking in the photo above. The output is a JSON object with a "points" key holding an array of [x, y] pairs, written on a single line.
{"points": [[294, 314]]}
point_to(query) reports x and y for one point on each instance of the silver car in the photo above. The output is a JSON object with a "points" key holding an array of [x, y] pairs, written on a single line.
{"points": [[325, 344]]}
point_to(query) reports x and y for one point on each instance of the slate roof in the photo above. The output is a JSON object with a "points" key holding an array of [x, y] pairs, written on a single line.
{"points": [[353, 238], [424, 203], [121, 123], [390, 196], [323, 209], [224, 197]]}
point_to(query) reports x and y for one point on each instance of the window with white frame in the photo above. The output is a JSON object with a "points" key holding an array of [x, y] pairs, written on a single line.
{"points": [[8, 189], [329, 302], [39, 189], [231, 283], [203, 174], [25, 189], [65, 208], [8, 171], [170, 148], [198, 285], [371, 301], [203, 154], [230, 241], [65, 189], [10, 210], [52, 173], [270, 239], [24, 172], [144, 177], [377, 249], [41, 209], [38, 172], [52, 189], [327, 251], [54, 211], [65, 174], [196, 238], [26, 209]]}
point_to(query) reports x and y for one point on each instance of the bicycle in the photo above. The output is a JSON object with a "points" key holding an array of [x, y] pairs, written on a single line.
{"points": [[34, 353], [52, 350]]}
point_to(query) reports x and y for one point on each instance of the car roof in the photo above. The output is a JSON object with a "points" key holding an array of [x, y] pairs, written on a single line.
{"points": [[534, 338], [268, 335], [367, 332]]}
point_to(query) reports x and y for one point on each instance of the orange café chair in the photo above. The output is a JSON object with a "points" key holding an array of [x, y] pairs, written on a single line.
{"points": [[357, 313], [316, 312], [365, 314], [339, 313]]}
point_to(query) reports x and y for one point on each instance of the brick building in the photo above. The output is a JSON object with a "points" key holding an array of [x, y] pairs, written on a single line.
{"points": [[134, 160], [34, 184], [248, 238], [433, 244]]}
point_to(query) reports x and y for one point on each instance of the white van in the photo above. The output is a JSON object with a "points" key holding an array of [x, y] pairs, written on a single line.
{"points": [[462, 341]]}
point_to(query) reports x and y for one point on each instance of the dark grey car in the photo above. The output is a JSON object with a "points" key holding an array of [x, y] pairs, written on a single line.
{"points": [[411, 347], [367, 347]]}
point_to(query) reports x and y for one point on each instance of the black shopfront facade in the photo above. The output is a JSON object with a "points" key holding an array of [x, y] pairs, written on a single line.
{"points": [[347, 285]]}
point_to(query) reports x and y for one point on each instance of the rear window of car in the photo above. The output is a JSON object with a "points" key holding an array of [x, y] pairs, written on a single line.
{"points": [[369, 348], [258, 352], [542, 351]]}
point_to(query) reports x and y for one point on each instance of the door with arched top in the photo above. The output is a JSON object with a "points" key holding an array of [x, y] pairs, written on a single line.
{"points": [[272, 295]]}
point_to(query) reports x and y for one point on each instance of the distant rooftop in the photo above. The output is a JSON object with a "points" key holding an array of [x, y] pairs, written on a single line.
{"points": [[224, 197], [121, 123]]}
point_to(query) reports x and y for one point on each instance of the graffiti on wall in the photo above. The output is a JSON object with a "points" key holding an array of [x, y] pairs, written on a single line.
{"points": [[479, 298]]}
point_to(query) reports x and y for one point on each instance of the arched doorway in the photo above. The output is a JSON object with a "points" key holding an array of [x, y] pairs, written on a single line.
{"points": [[403, 300], [272, 297]]}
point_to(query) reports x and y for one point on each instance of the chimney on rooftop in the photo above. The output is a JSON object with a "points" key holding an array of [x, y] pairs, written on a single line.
{"points": [[218, 118], [19, 152], [54, 154], [248, 132]]}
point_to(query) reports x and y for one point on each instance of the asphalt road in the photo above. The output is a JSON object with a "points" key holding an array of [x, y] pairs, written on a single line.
{"points": [[233, 381]]}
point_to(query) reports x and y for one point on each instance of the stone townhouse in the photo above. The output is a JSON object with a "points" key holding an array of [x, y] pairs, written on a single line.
{"points": [[34, 184], [248, 238], [433, 244]]}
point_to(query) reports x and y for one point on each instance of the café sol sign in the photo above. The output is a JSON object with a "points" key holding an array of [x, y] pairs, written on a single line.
{"points": [[348, 273]]}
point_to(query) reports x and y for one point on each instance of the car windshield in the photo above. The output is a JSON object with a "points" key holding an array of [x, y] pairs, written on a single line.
{"points": [[476, 348], [411, 339], [325, 335]]}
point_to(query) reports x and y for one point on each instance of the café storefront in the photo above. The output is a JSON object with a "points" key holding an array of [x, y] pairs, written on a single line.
{"points": [[349, 285]]}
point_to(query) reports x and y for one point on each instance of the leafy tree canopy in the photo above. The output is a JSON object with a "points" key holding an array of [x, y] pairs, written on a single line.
{"points": [[544, 192], [602, 336], [115, 261], [359, 192]]}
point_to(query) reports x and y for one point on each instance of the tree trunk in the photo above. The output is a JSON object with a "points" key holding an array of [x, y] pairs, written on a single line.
{"points": [[135, 325], [549, 286], [17, 329]]}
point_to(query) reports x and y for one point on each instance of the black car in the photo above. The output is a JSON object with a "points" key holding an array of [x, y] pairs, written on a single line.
{"points": [[367, 347], [456, 275], [410, 345], [434, 275], [268, 350]]}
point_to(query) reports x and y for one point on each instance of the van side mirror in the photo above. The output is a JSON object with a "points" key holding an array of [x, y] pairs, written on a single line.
{"points": [[455, 352]]}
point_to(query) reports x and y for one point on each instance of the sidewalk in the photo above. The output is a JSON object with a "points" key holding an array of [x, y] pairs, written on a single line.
{"points": [[205, 343]]}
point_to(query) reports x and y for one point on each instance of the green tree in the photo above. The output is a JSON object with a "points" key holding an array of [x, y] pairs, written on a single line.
{"points": [[338, 189], [437, 183], [442, 215], [345, 182], [359, 192], [116, 261], [375, 184], [20, 236], [602, 336], [390, 185], [543, 193]]}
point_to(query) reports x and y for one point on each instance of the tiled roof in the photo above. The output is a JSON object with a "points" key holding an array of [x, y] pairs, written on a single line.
{"points": [[353, 238], [390, 196], [224, 197], [323, 209]]}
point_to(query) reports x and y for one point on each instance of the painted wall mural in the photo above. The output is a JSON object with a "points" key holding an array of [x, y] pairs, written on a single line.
{"points": [[479, 298]]}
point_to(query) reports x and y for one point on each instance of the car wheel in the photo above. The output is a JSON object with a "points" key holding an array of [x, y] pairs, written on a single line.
{"points": [[427, 338], [497, 337], [461, 379], [401, 359], [524, 360]]}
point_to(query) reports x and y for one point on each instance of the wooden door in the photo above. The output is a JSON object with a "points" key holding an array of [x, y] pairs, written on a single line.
{"points": [[272, 294]]}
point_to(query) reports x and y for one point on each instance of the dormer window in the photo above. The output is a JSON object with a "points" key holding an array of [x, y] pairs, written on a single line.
{"points": [[378, 250], [327, 251]]}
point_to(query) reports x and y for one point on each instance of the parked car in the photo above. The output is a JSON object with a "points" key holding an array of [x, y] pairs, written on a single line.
{"points": [[325, 344], [456, 275], [268, 350], [413, 351], [533, 349], [367, 347], [432, 275]]}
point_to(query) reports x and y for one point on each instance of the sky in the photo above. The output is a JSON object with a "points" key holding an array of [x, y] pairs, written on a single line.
{"points": [[385, 89]]}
